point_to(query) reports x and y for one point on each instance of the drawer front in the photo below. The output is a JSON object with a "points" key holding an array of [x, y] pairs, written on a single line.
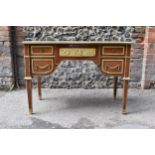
{"points": [[113, 50], [42, 50], [42, 66], [113, 66]]}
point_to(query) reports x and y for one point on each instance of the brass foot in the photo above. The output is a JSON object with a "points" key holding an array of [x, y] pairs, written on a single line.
{"points": [[30, 111], [124, 112], [40, 98]]}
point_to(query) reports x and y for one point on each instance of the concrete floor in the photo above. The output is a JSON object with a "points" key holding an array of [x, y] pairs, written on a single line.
{"points": [[77, 109]]}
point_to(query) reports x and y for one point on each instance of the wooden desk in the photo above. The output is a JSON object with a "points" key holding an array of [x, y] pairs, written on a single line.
{"points": [[42, 58]]}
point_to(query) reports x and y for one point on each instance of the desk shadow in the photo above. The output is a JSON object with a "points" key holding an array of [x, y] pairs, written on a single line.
{"points": [[134, 104], [80, 102]]}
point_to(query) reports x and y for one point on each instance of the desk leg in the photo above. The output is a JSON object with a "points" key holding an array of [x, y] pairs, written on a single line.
{"points": [[29, 93], [39, 88], [115, 87], [125, 93]]}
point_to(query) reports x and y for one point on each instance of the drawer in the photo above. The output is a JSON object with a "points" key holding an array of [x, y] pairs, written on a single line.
{"points": [[113, 66], [42, 66], [42, 50], [113, 50]]}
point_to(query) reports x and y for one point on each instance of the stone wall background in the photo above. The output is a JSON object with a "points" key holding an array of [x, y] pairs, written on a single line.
{"points": [[83, 33], [6, 73], [83, 74]]}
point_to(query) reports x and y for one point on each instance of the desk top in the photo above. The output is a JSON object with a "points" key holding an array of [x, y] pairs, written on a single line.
{"points": [[74, 42]]}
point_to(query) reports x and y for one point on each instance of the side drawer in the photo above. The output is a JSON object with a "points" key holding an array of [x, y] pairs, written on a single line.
{"points": [[112, 66], [113, 50], [42, 66], [41, 50]]}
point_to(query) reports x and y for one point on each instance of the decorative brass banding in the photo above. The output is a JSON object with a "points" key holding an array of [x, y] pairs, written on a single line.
{"points": [[75, 42], [28, 78], [77, 52], [126, 78], [115, 57], [26, 56], [37, 56]]}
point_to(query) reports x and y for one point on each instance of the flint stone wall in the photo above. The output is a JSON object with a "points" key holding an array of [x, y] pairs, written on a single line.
{"points": [[83, 74], [6, 73]]}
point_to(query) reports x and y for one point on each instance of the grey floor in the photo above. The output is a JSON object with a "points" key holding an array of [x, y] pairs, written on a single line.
{"points": [[77, 109]]}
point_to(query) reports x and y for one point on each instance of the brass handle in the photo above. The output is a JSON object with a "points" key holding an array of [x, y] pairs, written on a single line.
{"points": [[43, 67], [117, 67]]}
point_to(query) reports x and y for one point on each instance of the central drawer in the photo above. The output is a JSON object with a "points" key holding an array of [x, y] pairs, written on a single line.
{"points": [[113, 66], [42, 66]]}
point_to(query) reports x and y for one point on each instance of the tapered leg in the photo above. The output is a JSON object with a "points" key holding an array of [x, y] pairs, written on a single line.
{"points": [[125, 94], [29, 93], [115, 87], [39, 88]]}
